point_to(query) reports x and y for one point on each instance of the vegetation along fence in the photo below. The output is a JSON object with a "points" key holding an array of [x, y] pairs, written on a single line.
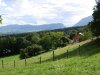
{"points": [[39, 59]]}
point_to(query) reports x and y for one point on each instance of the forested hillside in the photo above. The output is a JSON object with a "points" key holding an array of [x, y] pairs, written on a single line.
{"points": [[32, 44]]}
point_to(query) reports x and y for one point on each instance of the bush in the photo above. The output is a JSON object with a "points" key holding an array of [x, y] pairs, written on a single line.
{"points": [[24, 53], [34, 49], [63, 42], [30, 51], [87, 34]]}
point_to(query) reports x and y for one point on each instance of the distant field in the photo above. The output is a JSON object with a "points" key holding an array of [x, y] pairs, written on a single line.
{"points": [[83, 60]]}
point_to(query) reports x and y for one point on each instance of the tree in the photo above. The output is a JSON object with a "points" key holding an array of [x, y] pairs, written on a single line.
{"points": [[30, 51], [46, 42], [87, 33], [33, 38], [95, 25], [22, 43]]}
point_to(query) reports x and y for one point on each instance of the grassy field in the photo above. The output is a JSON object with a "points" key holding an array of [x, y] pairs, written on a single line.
{"points": [[83, 60]]}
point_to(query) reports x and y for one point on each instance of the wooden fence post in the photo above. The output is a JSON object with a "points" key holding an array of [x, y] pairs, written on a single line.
{"points": [[67, 53], [25, 61], [14, 64], [92, 38], [53, 56], [79, 50], [2, 64], [40, 60]]}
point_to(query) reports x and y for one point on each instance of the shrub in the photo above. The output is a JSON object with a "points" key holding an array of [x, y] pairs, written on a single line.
{"points": [[30, 51], [24, 53]]}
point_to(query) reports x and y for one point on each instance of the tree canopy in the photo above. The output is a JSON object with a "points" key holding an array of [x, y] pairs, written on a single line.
{"points": [[95, 26]]}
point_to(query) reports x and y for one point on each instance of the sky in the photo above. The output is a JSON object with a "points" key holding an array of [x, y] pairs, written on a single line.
{"points": [[38, 12]]}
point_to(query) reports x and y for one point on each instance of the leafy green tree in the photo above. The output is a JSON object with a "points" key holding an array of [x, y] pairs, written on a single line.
{"points": [[30, 51], [23, 53], [95, 25], [87, 33], [22, 43], [33, 38], [46, 42], [56, 39], [64, 41]]}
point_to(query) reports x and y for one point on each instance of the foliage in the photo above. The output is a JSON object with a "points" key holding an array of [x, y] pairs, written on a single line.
{"points": [[30, 51], [87, 33], [48, 40], [52, 40], [86, 64], [95, 25], [33, 38], [24, 53]]}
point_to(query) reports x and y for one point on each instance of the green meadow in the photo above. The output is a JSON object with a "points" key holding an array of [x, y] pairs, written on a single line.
{"points": [[81, 59]]}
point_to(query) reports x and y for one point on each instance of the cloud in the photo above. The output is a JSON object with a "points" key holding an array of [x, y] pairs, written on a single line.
{"points": [[67, 12], [2, 3]]}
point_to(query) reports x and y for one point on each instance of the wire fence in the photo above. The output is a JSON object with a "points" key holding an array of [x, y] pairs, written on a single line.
{"points": [[38, 60]]}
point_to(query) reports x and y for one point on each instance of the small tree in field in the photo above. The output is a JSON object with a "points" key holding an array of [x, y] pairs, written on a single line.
{"points": [[30, 51]]}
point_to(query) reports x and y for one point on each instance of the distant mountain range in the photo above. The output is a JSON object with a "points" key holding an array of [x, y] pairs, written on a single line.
{"points": [[11, 29], [84, 21]]}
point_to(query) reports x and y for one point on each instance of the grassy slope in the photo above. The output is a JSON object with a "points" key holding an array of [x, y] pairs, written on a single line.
{"points": [[87, 63]]}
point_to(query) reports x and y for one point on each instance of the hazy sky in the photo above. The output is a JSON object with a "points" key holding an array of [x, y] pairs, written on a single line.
{"points": [[39, 12]]}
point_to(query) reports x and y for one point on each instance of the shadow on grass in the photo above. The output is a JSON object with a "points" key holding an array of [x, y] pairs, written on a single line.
{"points": [[88, 49]]}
